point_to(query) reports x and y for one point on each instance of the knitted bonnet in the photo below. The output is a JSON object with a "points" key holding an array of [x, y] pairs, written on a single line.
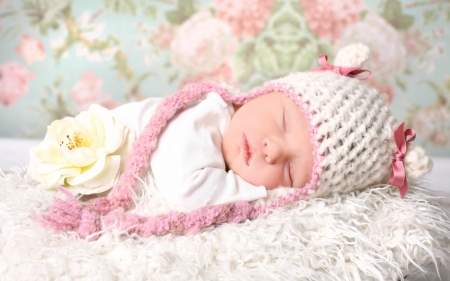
{"points": [[357, 144], [352, 128]]}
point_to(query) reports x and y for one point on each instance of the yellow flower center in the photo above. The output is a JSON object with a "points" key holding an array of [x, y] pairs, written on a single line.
{"points": [[72, 142]]}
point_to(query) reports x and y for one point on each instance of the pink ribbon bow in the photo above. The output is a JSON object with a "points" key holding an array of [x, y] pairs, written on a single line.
{"points": [[350, 71], [398, 174]]}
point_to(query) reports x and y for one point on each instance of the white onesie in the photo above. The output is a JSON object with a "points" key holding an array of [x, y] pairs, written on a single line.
{"points": [[188, 165]]}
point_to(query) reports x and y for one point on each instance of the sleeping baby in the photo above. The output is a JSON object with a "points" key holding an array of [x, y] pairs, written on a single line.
{"points": [[214, 154]]}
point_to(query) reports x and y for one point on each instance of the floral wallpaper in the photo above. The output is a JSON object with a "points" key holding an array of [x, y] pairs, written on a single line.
{"points": [[59, 56]]}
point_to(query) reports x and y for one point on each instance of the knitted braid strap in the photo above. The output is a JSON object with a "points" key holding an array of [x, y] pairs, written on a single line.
{"points": [[86, 219]]}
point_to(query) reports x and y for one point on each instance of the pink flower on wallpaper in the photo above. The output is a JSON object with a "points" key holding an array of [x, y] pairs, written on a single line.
{"points": [[223, 73], [14, 80], [415, 42], [440, 138], [327, 19], [202, 43], [30, 49], [163, 36], [109, 103], [433, 123], [246, 18], [89, 90], [387, 51]]}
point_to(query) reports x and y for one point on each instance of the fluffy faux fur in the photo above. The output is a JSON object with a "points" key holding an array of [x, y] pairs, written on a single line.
{"points": [[367, 235]]}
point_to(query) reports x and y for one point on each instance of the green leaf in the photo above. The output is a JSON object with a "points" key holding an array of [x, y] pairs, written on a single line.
{"points": [[59, 81], [438, 89], [266, 58], [400, 83], [173, 76], [48, 90], [143, 76], [151, 12], [325, 48], [430, 16], [212, 11], [295, 5], [447, 13], [405, 22], [185, 9], [12, 31], [46, 14], [447, 84], [173, 17], [394, 15], [121, 6], [392, 9], [363, 14]]}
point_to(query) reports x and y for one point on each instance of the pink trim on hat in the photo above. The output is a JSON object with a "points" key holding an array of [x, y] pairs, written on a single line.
{"points": [[86, 219]]}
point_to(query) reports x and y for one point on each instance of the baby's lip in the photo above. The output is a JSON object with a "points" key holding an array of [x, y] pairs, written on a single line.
{"points": [[246, 149]]}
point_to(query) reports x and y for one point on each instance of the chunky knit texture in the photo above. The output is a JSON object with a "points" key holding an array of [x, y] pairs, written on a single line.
{"points": [[351, 131]]}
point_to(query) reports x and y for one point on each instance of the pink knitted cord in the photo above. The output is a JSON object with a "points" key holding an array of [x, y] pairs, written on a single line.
{"points": [[86, 219]]}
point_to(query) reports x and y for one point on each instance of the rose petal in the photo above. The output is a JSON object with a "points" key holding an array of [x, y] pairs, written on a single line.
{"points": [[92, 128], [44, 168], [114, 132], [116, 138], [48, 153], [52, 180], [104, 115], [102, 181], [90, 171], [79, 157], [85, 120]]}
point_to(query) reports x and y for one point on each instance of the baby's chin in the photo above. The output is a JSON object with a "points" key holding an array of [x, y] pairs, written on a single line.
{"points": [[272, 187], [257, 182]]}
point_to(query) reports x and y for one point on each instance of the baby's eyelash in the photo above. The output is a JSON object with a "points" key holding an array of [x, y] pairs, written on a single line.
{"points": [[284, 119]]}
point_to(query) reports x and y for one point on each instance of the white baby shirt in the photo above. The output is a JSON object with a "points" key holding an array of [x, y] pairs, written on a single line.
{"points": [[188, 165]]}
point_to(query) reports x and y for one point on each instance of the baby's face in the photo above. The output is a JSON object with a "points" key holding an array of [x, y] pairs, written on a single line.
{"points": [[268, 143]]}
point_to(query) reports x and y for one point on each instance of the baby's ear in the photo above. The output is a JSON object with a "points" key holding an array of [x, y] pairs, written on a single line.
{"points": [[352, 55], [417, 163]]}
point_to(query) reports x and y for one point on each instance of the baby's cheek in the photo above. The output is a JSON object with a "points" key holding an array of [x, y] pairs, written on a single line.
{"points": [[269, 179]]}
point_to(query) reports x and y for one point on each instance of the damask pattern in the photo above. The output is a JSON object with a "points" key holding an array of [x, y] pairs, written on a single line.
{"points": [[59, 56]]}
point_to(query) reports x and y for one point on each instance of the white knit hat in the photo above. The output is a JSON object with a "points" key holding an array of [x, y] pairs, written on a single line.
{"points": [[352, 128]]}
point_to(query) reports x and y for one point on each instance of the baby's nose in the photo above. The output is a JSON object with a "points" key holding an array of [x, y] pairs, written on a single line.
{"points": [[273, 150]]}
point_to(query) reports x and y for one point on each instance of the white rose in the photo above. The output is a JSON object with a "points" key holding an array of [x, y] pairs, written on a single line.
{"points": [[387, 51], [85, 154], [202, 43]]}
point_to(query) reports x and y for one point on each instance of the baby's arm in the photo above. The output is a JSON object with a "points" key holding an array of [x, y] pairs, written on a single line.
{"points": [[211, 186]]}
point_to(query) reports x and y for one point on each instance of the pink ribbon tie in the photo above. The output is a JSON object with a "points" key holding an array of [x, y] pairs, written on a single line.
{"points": [[398, 173], [350, 71]]}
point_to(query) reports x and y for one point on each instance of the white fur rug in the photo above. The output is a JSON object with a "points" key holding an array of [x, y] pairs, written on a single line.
{"points": [[371, 235]]}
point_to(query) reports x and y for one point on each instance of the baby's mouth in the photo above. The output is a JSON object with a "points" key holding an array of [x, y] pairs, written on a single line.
{"points": [[246, 149]]}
